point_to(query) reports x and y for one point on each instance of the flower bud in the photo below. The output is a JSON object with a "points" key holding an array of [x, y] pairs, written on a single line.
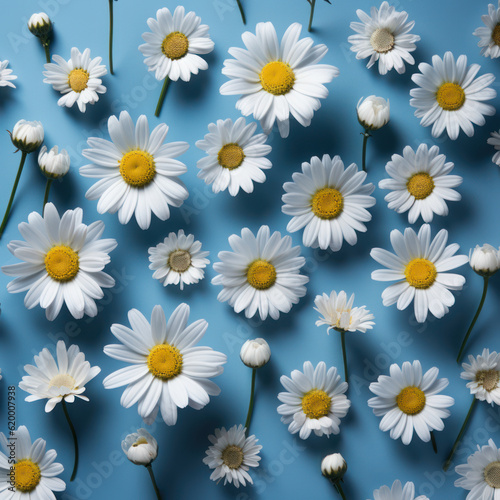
{"points": [[485, 260], [27, 136], [334, 467], [374, 112], [53, 164], [255, 353], [40, 25], [140, 447]]}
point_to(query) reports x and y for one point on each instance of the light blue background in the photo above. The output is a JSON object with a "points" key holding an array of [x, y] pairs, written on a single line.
{"points": [[290, 468]]}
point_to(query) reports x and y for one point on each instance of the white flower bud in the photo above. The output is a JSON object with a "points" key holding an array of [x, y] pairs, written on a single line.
{"points": [[140, 447], [334, 467], [40, 25], [27, 136], [485, 260], [255, 353], [373, 112], [53, 164]]}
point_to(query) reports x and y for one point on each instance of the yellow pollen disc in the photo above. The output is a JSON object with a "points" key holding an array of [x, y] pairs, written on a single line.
{"points": [[316, 403], [137, 168], [230, 156], [179, 261], [327, 203], [175, 45], [492, 474], [277, 78], [450, 96], [420, 273], [411, 400], [61, 263], [382, 40], [27, 475], [420, 185], [488, 379], [78, 79], [261, 274], [495, 35], [63, 380], [141, 440], [232, 456], [164, 361]]}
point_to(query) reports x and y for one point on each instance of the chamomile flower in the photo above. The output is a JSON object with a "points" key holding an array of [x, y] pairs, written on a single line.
{"points": [[78, 80], [450, 97], [494, 141], [138, 173], [420, 183], [489, 34], [262, 273], [329, 201], [236, 156], [6, 75], [276, 80], [420, 267], [397, 492], [483, 375], [384, 36]]}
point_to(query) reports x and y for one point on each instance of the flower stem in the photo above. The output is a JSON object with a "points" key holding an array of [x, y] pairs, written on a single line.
{"points": [[162, 96], [478, 312], [241, 11], [153, 480], [46, 47], [344, 354], [339, 489], [459, 437], [313, 4], [46, 196], [14, 189], [75, 440], [433, 441], [252, 399], [366, 135], [111, 37]]}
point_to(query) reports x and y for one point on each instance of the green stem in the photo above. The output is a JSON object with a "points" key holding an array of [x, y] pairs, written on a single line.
{"points": [[485, 289], [433, 441], [460, 435], [366, 135], [153, 480], [111, 37], [339, 489], [75, 440], [252, 399], [46, 46], [241, 11], [344, 355], [162, 96], [46, 196], [14, 189], [313, 4]]}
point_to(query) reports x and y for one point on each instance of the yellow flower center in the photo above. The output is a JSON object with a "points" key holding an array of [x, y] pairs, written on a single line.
{"points": [[231, 156], [261, 274], [411, 400], [63, 380], [78, 80], [382, 40], [488, 379], [175, 45], [61, 263], [327, 203], [492, 474], [164, 361], [232, 456], [450, 96], [495, 35], [141, 440], [420, 185], [137, 168], [420, 273], [277, 78], [27, 475], [179, 261], [316, 403]]}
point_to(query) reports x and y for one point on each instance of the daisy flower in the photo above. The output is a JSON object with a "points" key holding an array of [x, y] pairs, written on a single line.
{"points": [[314, 401], [451, 97], [483, 375], [138, 173], [489, 35], [179, 260], [494, 141], [235, 156], [6, 75], [276, 80], [262, 273], [35, 469], [384, 36], [78, 80], [397, 492], [419, 266], [231, 455], [166, 371], [329, 201], [420, 183], [63, 262], [409, 401]]}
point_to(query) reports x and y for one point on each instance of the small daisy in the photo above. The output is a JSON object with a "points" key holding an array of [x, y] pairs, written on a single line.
{"points": [[409, 401], [63, 262], [6, 75], [262, 273], [231, 455], [451, 97], [397, 492], [419, 266], [420, 183], [481, 473], [384, 36], [494, 141], [34, 467], [235, 156], [166, 369], [276, 80], [314, 401], [138, 173], [78, 80], [329, 201], [489, 35], [179, 260], [483, 374]]}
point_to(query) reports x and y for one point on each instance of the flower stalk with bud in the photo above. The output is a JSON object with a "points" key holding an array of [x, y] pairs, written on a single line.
{"points": [[313, 5], [41, 26], [54, 165], [333, 467]]}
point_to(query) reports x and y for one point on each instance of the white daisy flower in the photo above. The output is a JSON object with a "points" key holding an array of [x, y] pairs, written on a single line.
{"points": [[419, 266], [262, 273], [78, 80], [329, 201], [314, 401], [397, 492], [6, 75], [166, 370], [384, 36], [494, 141], [451, 97], [489, 35], [483, 374], [35, 469], [278, 79], [140, 447], [334, 467], [138, 173], [63, 262], [61, 380], [485, 260], [179, 260], [420, 183], [409, 401], [235, 156], [231, 455]]}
